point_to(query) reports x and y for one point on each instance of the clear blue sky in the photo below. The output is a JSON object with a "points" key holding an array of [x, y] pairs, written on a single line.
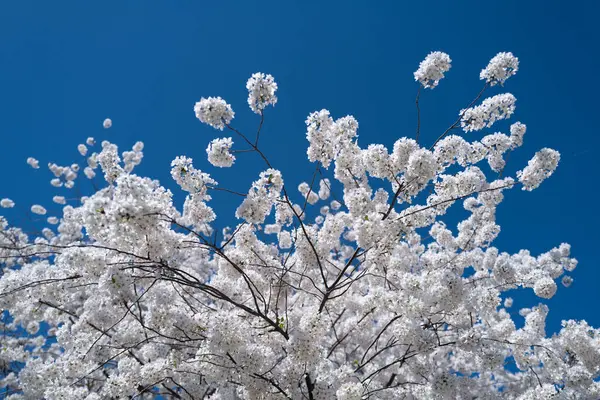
{"points": [[67, 65]]}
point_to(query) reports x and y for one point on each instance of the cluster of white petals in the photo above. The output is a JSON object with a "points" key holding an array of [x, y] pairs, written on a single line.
{"points": [[328, 138], [59, 200], [214, 111], [353, 287], [432, 69], [500, 68], [491, 110], [219, 152], [33, 162], [261, 198], [109, 161], [517, 131], [82, 148], [37, 209], [189, 178], [7, 203], [261, 91], [540, 167]]}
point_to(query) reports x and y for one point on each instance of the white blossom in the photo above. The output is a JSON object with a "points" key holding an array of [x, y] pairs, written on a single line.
{"points": [[261, 198], [540, 167], [328, 138], [56, 182], [109, 161], [33, 162], [107, 123], [189, 178], [324, 189], [261, 92], [219, 152], [491, 110], [567, 281], [517, 131], [381, 291], [59, 200], [432, 69], [89, 173], [37, 209], [82, 149], [7, 203], [545, 288], [500, 68], [214, 111]]}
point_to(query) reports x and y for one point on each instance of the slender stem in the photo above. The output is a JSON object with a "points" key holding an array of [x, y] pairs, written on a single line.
{"points": [[262, 119]]}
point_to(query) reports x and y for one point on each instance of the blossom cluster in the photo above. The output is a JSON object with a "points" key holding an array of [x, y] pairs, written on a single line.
{"points": [[432, 69], [500, 68], [491, 110], [219, 152], [214, 111], [261, 91], [353, 287]]}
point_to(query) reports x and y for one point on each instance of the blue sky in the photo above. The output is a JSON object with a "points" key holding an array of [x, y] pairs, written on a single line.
{"points": [[65, 66]]}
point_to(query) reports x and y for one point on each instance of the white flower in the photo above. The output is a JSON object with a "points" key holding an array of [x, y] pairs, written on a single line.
{"points": [[37, 209], [492, 109], [432, 69], [421, 166], [500, 68], [285, 239], [377, 161], [107, 123], [189, 178], [90, 141], [7, 203], [109, 161], [214, 111], [324, 189], [261, 91], [56, 182], [350, 391], [196, 212], [567, 281], [89, 173], [33, 162], [545, 288], [261, 198], [138, 147], [304, 188], [517, 131], [59, 200], [272, 229], [540, 167], [219, 152], [82, 149], [327, 138]]}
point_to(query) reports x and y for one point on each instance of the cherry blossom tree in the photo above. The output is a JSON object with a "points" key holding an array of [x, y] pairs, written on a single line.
{"points": [[351, 287]]}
